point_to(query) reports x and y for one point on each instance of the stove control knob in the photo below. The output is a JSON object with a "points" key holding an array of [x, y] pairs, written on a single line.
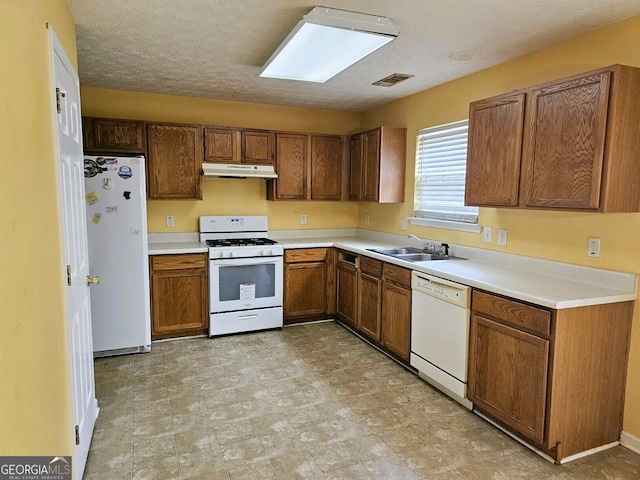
{"points": [[270, 252], [261, 253], [230, 254]]}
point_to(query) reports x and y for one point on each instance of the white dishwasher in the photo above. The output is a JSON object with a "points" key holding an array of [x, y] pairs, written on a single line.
{"points": [[440, 333]]}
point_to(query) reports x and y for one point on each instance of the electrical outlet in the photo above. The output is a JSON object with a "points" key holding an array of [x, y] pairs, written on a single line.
{"points": [[593, 248], [367, 219], [169, 220], [404, 223], [303, 219], [502, 237], [487, 234]]}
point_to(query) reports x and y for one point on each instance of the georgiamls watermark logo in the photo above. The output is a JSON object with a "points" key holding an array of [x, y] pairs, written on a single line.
{"points": [[35, 468]]}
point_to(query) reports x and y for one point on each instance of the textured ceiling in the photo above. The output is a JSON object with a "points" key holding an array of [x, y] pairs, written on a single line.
{"points": [[215, 48]]}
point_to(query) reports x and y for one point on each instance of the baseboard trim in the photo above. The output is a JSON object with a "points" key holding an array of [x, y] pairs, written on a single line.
{"points": [[630, 442]]}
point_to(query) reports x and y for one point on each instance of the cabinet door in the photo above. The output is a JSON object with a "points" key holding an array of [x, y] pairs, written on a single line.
{"points": [[221, 145], [326, 167], [396, 319], [179, 292], [369, 291], [304, 289], [347, 293], [564, 143], [257, 147], [494, 151], [291, 166], [175, 159], [356, 172], [105, 135], [508, 375], [371, 165]]}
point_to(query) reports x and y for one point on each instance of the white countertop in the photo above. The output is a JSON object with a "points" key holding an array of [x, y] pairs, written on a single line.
{"points": [[172, 248], [548, 291], [550, 284]]}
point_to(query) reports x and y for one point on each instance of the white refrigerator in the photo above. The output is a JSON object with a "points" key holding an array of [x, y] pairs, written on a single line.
{"points": [[116, 198]]}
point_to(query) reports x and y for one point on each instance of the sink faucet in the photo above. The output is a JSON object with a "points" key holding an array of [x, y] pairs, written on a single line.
{"points": [[443, 249]]}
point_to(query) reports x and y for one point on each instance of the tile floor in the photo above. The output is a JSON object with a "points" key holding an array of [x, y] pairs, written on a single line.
{"points": [[307, 402]]}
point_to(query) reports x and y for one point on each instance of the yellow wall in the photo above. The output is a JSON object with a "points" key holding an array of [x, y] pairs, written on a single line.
{"points": [[35, 409], [228, 196], [558, 236]]}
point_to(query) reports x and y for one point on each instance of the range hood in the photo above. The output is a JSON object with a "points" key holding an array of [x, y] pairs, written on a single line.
{"points": [[238, 170]]}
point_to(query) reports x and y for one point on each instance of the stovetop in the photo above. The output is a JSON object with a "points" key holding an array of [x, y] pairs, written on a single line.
{"points": [[239, 242]]}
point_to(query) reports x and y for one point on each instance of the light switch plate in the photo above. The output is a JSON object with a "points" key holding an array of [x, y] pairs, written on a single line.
{"points": [[303, 219], [502, 237], [487, 234]]}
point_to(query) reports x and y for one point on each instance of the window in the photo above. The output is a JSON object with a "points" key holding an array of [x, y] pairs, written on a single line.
{"points": [[441, 160]]}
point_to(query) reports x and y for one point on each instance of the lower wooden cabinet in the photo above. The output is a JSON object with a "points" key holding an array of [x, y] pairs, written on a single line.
{"points": [[179, 293], [369, 298], [309, 284], [347, 288], [555, 378], [396, 310], [374, 299]]}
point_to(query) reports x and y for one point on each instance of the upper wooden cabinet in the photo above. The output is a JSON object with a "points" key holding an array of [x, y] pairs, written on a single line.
{"points": [[257, 147], [109, 135], [233, 145], [221, 145], [573, 146], [377, 165], [495, 133], [309, 167], [174, 161]]}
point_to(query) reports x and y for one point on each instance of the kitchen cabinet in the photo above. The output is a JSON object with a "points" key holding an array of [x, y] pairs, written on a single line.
{"points": [[309, 284], [234, 145], [109, 135], [368, 320], [572, 146], [396, 310], [377, 165], [179, 292], [553, 377], [494, 151], [373, 298], [309, 167], [174, 161], [257, 147], [346, 288]]}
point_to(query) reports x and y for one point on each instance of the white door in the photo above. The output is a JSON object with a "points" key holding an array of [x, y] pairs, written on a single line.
{"points": [[74, 231]]}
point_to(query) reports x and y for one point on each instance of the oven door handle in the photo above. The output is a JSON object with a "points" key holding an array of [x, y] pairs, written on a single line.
{"points": [[246, 261]]}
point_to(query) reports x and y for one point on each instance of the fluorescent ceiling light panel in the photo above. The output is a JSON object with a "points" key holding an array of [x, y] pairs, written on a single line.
{"points": [[325, 42]]}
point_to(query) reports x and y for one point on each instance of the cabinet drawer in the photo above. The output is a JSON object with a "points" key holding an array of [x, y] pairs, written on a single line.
{"points": [[371, 266], [178, 262], [398, 275], [305, 255], [512, 313]]}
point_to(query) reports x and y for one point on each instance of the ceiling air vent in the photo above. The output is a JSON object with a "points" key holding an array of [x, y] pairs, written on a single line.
{"points": [[392, 80]]}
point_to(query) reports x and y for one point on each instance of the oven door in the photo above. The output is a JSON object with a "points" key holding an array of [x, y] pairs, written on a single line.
{"points": [[245, 283]]}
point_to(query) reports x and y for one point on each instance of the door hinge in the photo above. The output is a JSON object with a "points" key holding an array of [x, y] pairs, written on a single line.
{"points": [[69, 275], [58, 95], [77, 435]]}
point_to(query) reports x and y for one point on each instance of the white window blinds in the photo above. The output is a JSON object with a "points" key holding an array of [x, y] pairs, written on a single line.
{"points": [[441, 160]]}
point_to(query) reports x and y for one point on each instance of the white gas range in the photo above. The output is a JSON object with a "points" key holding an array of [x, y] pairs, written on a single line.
{"points": [[245, 274]]}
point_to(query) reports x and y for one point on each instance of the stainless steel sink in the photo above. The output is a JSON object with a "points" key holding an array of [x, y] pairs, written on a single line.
{"points": [[397, 251], [421, 257], [410, 254]]}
